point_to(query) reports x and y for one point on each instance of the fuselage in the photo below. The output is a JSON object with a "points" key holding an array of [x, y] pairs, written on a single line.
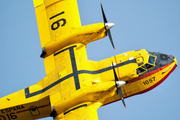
{"points": [[143, 70], [89, 81], [72, 80]]}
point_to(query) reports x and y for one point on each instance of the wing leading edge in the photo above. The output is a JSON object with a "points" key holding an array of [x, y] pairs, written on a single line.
{"points": [[62, 40], [60, 26]]}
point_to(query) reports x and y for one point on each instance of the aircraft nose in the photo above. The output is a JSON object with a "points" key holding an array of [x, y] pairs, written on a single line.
{"points": [[173, 58], [164, 59], [175, 61]]}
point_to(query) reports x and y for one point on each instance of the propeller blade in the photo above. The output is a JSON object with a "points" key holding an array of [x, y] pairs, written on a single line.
{"points": [[115, 75], [110, 37], [107, 26], [121, 95], [104, 16], [119, 84]]}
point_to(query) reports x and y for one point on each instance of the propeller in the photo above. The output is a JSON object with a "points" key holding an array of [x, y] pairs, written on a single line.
{"points": [[107, 26], [119, 84]]}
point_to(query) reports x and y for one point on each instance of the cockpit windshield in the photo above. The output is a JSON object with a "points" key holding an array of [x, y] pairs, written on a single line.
{"points": [[148, 65], [151, 60], [151, 53]]}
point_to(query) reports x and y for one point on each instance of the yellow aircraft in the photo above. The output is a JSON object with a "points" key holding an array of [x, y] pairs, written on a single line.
{"points": [[75, 87]]}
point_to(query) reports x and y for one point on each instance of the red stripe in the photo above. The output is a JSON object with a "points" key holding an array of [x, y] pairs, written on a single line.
{"points": [[148, 74], [158, 83], [155, 85], [117, 67], [119, 76]]}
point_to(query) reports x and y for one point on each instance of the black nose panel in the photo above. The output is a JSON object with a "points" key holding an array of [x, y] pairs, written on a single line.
{"points": [[163, 59]]}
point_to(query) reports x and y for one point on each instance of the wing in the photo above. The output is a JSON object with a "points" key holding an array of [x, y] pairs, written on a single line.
{"points": [[60, 26], [87, 111], [55, 18]]}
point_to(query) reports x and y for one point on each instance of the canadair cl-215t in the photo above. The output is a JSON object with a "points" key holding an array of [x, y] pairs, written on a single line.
{"points": [[74, 86]]}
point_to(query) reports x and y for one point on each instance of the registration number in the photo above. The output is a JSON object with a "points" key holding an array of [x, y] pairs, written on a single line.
{"points": [[151, 80]]}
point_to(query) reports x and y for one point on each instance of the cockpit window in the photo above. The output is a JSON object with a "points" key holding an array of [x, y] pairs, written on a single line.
{"points": [[151, 53], [144, 68], [140, 70], [151, 60], [147, 66]]}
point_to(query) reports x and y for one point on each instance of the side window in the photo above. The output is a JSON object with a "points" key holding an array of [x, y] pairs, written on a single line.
{"points": [[140, 70], [147, 66], [151, 60], [143, 68]]}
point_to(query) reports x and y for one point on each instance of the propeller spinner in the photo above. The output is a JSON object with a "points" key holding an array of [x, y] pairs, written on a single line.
{"points": [[107, 26], [119, 84]]}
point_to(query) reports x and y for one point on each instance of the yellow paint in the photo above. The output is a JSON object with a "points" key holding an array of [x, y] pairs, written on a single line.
{"points": [[75, 86], [37, 2]]}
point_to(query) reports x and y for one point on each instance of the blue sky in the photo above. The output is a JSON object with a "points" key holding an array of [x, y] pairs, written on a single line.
{"points": [[139, 24]]}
